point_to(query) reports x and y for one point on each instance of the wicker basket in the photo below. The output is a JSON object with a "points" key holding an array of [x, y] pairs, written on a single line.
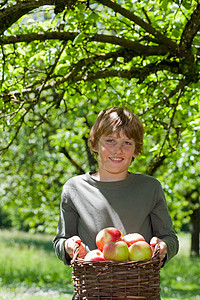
{"points": [[106, 280]]}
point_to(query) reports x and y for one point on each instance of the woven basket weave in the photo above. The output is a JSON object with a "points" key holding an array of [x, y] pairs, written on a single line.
{"points": [[106, 280]]}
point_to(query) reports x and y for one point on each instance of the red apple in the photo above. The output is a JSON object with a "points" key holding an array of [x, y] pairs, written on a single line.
{"points": [[116, 251], [109, 234], [140, 250], [132, 238], [94, 255]]}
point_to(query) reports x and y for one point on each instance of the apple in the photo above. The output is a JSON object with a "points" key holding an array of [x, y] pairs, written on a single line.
{"points": [[94, 255], [132, 238], [109, 234], [116, 251], [140, 250]]}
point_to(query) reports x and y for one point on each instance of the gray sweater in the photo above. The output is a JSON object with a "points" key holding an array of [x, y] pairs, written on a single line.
{"points": [[135, 204]]}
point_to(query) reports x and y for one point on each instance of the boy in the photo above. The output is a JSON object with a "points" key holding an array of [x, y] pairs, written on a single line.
{"points": [[112, 196]]}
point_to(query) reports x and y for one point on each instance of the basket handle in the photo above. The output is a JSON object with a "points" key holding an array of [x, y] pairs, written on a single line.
{"points": [[157, 256], [156, 253], [75, 253]]}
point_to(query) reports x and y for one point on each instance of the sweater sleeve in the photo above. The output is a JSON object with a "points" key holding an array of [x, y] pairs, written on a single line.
{"points": [[67, 225], [162, 224]]}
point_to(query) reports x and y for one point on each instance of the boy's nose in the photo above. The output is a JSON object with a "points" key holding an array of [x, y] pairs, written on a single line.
{"points": [[118, 148]]}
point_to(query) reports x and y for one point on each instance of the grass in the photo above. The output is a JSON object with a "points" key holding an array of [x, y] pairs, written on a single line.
{"points": [[30, 270], [180, 278]]}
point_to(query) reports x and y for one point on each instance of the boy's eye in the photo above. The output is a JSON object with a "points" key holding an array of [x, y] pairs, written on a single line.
{"points": [[109, 141], [127, 143]]}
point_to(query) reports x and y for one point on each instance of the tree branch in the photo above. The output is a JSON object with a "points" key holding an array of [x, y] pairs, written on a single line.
{"points": [[78, 167], [20, 124], [159, 158], [191, 29], [10, 15], [140, 73], [73, 77], [50, 73], [146, 26], [70, 36]]}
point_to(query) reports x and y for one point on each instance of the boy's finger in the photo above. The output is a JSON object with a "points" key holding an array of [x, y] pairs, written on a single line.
{"points": [[154, 241], [76, 239]]}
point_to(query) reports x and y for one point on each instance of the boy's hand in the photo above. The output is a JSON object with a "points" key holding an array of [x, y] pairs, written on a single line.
{"points": [[72, 243], [155, 243]]}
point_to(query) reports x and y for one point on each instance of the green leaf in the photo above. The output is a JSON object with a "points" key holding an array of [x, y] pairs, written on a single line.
{"points": [[79, 38], [165, 4]]}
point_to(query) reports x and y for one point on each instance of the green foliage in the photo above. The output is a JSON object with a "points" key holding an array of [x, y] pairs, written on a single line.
{"points": [[59, 70]]}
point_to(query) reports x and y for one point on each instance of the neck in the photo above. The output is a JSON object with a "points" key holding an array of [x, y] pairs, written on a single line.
{"points": [[110, 177]]}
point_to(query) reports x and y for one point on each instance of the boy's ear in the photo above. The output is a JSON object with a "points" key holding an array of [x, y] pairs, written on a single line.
{"points": [[135, 155], [94, 150]]}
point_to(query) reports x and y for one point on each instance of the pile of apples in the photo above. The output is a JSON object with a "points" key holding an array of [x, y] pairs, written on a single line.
{"points": [[112, 245]]}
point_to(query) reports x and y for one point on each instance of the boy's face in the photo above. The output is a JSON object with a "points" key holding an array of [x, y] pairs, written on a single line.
{"points": [[115, 153]]}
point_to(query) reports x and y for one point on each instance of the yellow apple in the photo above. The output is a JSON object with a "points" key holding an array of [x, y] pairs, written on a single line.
{"points": [[140, 250], [116, 251]]}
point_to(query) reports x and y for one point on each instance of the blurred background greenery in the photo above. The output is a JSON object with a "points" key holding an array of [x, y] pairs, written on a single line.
{"points": [[61, 63]]}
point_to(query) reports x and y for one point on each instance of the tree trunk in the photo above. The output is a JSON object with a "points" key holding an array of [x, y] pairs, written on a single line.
{"points": [[91, 159], [195, 226]]}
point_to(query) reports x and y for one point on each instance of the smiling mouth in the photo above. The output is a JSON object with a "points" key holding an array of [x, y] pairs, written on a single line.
{"points": [[116, 159]]}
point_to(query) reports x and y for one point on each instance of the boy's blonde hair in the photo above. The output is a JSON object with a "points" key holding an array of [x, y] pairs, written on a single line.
{"points": [[117, 119]]}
